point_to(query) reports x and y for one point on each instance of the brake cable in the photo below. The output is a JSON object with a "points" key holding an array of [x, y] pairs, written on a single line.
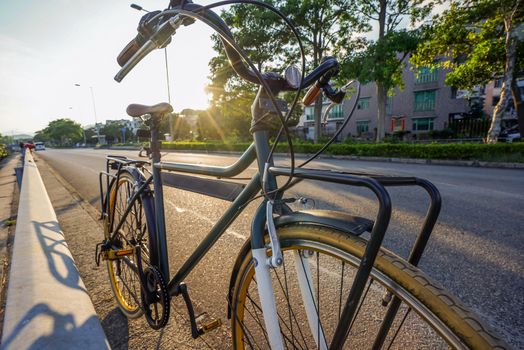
{"points": [[230, 41]]}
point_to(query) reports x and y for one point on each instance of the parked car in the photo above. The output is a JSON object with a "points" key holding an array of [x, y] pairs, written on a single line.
{"points": [[39, 146], [511, 134]]}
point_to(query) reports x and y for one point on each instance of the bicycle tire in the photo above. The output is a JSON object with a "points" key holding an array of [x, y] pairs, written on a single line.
{"points": [[123, 275], [434, 307]]}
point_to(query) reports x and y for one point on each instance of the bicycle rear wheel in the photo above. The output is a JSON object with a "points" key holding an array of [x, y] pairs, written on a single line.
{"points": [[427, 318], [123, 272]]}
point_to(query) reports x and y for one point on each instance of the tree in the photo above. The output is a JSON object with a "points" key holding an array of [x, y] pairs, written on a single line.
{"points": [[208, 128], [113, 131], [261, 35], [90, 135], [181, 127], [320, 24], [270, 45], [477, 40], [382, 60], [6, 139], [62, 132]]}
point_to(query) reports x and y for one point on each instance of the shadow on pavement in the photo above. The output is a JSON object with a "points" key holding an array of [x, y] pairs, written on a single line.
{"points": [[116, 327], [65, 332], [54, 251]]}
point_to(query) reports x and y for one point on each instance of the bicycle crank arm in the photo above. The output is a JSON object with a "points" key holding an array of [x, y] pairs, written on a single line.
{"points": [[198, 328]]}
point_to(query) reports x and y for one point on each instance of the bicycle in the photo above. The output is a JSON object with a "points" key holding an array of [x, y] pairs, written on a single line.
{"points": [[304, 278]]}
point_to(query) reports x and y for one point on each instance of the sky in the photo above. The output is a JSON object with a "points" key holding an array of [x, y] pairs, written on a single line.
{"points": [[46, 47]]}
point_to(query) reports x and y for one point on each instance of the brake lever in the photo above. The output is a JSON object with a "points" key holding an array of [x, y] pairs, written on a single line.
{"points": [[159, 38]]}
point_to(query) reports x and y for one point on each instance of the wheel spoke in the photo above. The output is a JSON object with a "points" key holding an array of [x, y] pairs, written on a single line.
{"points": [[330, 261], [127, 288], [398, 329]]}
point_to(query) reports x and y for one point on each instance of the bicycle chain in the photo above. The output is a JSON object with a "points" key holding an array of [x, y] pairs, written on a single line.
{"points": [[156, 301]]}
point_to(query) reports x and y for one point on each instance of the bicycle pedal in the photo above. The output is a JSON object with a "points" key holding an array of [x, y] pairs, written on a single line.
{"points": [[207, 324], [118, 254], [101, 250]]}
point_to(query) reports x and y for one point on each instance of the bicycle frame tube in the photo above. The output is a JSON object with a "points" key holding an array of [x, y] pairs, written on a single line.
{"points": [[160, 222], [221, 172], [227, 218]]}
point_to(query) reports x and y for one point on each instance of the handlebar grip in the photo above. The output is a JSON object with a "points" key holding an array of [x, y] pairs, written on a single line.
{"points": [[311, 94], [158, 39], [133, 61], [127, 52]]}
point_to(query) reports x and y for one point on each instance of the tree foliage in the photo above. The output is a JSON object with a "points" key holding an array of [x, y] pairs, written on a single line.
{"points": [[4, 139], [182, 129], [322, 26], [61, 132], [113, 131], [260, 34], [382, 60], [391, 51], [468, 38], [271, 46], [477, 40]]}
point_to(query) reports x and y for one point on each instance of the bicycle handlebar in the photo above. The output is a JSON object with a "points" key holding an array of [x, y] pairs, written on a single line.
{"points": [[133, 53]]}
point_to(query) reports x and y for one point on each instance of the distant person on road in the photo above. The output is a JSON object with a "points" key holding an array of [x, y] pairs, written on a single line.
{"points": [[29, 145]]}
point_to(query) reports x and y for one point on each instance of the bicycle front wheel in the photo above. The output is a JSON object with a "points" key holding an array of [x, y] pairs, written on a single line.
{"points": [[123, 272], [312, 286]]}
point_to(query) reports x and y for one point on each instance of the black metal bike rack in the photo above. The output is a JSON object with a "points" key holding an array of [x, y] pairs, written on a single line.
{"points": [[376, 183]]}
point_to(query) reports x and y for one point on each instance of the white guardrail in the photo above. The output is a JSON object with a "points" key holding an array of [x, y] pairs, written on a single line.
{"points": [[47, 306]]}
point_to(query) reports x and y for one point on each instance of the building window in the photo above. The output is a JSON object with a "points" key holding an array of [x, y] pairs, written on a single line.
{"points": [[426, 75], [362, 126], [310, 113], [495, 100], [363, 103], [498, 83], [336, 112], [425, 100], [423, 124]]}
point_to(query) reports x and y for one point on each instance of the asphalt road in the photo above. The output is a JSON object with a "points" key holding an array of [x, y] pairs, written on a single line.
{"points": [[476, 250]]}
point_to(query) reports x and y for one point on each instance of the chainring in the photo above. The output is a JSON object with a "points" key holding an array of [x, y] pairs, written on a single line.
{"points": [[155, 298]]}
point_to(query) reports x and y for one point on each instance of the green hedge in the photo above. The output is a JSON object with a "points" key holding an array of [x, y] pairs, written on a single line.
{"points": [[501, 152], [205, 146], [3, 151]]}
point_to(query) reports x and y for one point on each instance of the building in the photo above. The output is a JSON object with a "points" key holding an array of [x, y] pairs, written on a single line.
{"points": [[130, 124], [426, 103]]}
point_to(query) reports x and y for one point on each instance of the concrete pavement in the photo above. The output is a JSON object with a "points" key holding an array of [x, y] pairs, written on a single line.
{"points": [[8, 208], [47, 305]]}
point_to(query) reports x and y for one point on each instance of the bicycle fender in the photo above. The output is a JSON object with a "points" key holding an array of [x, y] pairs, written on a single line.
{"points": [[352, 225]]}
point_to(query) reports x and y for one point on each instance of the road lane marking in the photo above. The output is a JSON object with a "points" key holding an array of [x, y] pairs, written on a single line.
{"points": [[204, 218]]}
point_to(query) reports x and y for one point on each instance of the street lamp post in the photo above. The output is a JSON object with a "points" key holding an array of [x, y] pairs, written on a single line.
{"points": [[94, 111]]}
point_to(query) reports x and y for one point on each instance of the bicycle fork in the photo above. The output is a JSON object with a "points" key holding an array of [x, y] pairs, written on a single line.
{"points": [[263, 263]]}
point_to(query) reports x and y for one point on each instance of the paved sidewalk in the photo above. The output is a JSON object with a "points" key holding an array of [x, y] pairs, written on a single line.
{"points": [[8, 208]]}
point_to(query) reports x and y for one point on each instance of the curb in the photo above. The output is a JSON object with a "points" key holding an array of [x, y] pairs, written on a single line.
{"points": [[48, 306]]}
